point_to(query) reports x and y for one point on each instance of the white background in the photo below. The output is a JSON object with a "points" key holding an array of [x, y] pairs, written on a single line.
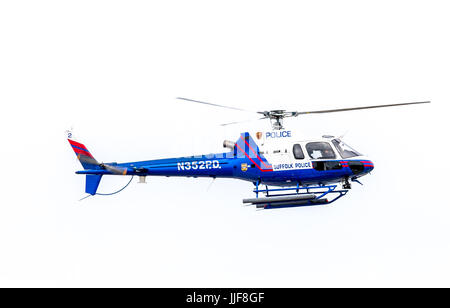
{"points": [[112, 69]]}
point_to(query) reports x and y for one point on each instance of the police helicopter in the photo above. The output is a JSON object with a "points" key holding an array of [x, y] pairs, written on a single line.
{"points": [[285, 172]]}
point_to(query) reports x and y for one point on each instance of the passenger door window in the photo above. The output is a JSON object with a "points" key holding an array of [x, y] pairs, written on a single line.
{"points": [[320, 150], [298, 152]]}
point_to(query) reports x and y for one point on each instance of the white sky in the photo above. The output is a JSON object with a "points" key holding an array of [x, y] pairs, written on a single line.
{"points": [[113, 69]]}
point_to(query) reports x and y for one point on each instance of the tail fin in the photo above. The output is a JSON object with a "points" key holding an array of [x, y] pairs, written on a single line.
{"points": [[88, 162], [84, 156]]}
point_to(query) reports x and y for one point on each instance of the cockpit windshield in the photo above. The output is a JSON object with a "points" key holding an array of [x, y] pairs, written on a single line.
{"points": [[345, 150]]}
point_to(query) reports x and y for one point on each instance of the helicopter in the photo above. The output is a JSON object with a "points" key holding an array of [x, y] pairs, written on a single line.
{"points": [[285, 172]]}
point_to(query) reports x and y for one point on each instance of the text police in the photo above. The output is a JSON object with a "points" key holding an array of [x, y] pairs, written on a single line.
{"points": [[279, 134]]}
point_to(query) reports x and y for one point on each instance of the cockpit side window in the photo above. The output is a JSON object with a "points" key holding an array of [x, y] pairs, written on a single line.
{"points": [[320, 150], [298, 152], [345, 150]]}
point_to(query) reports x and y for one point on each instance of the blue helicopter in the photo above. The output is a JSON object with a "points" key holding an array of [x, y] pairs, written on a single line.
{"points": [[286, 173]]}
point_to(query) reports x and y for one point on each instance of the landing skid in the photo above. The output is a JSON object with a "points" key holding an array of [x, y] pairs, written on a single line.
{"points": [[276, 198]]}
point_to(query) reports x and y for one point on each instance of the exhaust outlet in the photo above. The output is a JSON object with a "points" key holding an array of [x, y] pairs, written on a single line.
{"points": [[229, 144]]}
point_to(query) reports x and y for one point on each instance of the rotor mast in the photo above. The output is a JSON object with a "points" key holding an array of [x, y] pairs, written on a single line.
{"points": [[277, 123]]}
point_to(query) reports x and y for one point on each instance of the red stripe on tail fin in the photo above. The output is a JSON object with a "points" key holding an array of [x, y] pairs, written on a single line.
{"points": [[82, 152], [84, 156], [77, 144]]}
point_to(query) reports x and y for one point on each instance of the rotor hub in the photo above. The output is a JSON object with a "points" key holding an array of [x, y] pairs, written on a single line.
{"points": [[276, 117]]}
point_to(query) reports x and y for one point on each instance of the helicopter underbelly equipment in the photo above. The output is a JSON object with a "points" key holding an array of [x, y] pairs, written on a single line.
{"points": [[277, 198]]}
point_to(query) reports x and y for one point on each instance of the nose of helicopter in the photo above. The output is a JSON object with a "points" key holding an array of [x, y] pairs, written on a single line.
{"points": [[368, 166]]}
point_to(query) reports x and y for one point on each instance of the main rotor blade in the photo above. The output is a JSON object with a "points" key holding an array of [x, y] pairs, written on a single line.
{"points": [[359, 108], [215, 105], [239, 122]]}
